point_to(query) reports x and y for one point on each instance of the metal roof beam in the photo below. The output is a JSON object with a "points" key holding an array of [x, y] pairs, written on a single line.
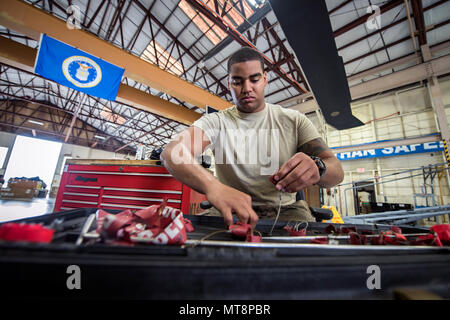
{"points": [[23, 57], [187, 51], [419, 21], [31, 21], [58, 127], [49, 105], [246, 25], [233, 33], [343, 4]]}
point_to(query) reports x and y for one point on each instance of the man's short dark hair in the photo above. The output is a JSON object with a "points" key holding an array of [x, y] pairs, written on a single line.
{"points": [[245, 54]]}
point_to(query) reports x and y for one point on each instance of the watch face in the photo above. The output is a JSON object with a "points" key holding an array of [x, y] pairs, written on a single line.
{"points": [[322, 168], [320, 165]]}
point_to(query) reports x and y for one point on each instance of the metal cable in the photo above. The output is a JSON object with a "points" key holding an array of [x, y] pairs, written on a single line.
{"points": [[278, 214]]}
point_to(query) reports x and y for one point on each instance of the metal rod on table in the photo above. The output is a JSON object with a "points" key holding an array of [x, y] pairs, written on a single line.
{"points": [[85, 229], [332, 237], [310, 246]]}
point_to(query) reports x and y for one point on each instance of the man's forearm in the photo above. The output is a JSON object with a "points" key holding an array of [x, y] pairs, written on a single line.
{"points": [[334, 173], [224, 198], [187, 170]]}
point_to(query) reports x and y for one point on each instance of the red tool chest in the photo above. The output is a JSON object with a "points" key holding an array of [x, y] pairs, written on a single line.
{"points": [[121, 184]]}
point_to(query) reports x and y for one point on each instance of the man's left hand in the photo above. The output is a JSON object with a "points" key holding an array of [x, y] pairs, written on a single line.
{"points": [[296, 174]]}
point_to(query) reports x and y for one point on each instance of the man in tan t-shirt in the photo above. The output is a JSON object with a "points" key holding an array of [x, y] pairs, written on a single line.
{"points": [[252, 142]]}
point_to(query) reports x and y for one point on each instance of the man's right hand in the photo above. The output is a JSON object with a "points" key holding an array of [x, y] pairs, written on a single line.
{"points": [[229, 200]]}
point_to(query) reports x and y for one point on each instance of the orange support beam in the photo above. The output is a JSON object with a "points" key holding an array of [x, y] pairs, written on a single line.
{"points": [[30, 21]]}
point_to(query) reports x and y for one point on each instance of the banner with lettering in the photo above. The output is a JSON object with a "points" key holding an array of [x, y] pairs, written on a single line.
{"points": [[391, 151]]}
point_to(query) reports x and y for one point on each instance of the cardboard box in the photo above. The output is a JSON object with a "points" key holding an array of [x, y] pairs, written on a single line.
{"points": [[18, 193], [23, 189], [27, 184], [6, 193]]}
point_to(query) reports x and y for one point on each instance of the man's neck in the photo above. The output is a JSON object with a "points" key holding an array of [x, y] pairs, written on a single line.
{"points": [[259, 109]]}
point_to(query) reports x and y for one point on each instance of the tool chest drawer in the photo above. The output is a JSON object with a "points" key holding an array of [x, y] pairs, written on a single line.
{"points": [[119, 186]]}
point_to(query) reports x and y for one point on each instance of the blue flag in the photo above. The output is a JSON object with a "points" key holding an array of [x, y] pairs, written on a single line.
{"points": [[77, 69]]}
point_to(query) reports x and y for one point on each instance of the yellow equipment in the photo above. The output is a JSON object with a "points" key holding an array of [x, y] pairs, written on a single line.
{"points": [[336, 216]]}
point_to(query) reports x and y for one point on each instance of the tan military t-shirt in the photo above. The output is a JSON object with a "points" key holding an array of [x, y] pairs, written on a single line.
{"points": [[249, 147]]}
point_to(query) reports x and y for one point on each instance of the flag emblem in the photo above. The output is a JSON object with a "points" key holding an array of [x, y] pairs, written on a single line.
{"points": [[82, 71]]}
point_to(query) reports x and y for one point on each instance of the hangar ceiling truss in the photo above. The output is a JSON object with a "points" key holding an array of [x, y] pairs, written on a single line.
{"points": [[193, 39]]}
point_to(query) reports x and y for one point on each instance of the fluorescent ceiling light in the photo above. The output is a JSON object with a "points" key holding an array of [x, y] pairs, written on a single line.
{"points": [[257, 3], [99, 137], [36, 122]]}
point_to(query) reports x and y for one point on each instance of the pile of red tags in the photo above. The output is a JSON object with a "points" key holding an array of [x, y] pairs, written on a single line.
{"points": [[243, 231], [439, 235], [157, 224], [28, 232]]}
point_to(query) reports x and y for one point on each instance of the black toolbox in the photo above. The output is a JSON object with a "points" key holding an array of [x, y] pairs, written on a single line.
{"points": [[225, 269]]}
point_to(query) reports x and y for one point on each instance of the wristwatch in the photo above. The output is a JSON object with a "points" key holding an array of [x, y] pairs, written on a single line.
{"points": [[320, 165]]}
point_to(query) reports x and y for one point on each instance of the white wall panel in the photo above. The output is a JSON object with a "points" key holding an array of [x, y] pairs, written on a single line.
{"points": [[415, 118]]}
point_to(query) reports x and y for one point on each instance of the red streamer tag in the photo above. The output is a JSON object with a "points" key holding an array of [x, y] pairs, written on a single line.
{"points": [[113, 223], [157, 224], [322, 240], [357, 239], [347, 230], [243, 231], [330, 229], [393, 238], [298, 233], [240, 230], [253, 238], [443, 232], [377, 241], [25, 232], [427, 240], [396, 229], [188, 225], [293, 233], [389, 238]]}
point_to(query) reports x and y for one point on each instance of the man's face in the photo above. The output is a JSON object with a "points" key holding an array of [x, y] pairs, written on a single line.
{"points": [[246, 82]]}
